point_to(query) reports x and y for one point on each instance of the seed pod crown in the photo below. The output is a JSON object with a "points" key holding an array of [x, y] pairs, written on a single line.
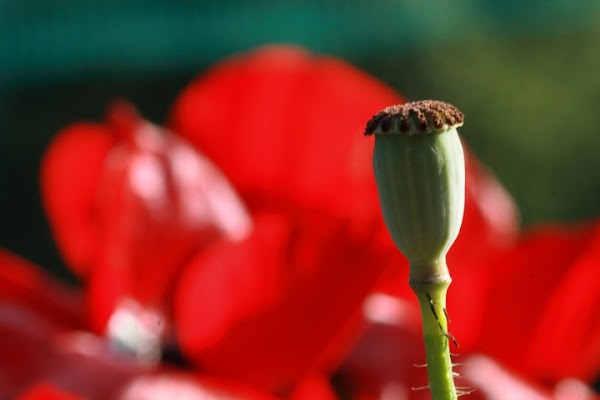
{"points": [[419, 117]]}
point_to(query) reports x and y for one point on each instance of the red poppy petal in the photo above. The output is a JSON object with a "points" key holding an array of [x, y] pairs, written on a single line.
{"points": [[226, 283], [47, 391], [567, 338], [284, 123], [70, 171], [33, 309], [523, 283], [83, 364], [269, 309], [25, 333], [26, 285]]}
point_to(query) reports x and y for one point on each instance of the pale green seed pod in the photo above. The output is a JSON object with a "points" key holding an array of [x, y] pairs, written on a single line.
{"points": [[420, 172]]}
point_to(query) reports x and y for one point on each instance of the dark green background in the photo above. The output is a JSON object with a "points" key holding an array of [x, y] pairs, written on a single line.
{"points": [[525, 73]]}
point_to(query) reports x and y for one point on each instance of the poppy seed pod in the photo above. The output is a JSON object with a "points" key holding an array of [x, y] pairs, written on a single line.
{"points": [[420, 172]]}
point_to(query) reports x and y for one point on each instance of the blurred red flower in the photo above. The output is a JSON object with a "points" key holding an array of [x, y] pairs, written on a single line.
{"points": [[265, 307], [129, 204], [249, 235]]}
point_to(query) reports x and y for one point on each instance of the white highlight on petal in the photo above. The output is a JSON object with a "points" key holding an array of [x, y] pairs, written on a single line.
{"points": [[571, 388], [80, 342], [159, 387], [389, 310], [496, 382], [207, 195], [136, 330], [147, 180], [394, 391]]}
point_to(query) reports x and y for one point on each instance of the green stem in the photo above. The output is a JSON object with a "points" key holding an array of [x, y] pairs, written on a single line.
{"points": [[430, 284]]}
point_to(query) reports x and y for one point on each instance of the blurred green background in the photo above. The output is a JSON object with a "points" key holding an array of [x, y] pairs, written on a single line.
{"points": [[525, 73]]}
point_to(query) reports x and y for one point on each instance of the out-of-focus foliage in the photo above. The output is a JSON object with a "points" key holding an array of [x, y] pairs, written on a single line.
{"points": [[525, 73]]}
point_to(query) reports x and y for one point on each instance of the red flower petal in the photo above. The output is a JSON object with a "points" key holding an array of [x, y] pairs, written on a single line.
{"points": [[33, 309], [284, 124], [25, 333], [567, 336], [269, 309], [69, 177], [522, 288], [314, 387], [25, 285], [47, 391]]}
